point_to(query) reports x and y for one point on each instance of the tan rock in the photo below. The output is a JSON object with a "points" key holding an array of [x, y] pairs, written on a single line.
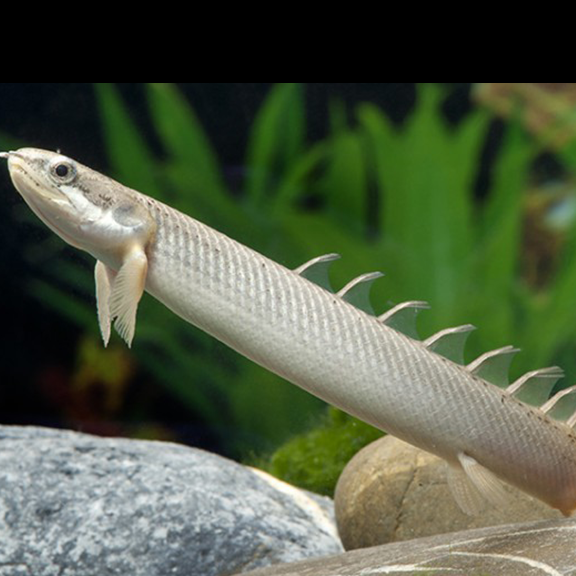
{"points": [[391, 491]]}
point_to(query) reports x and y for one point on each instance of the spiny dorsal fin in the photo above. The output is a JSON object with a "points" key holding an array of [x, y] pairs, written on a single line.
{"points": [[450, 342], [562, 405], [534, 387], [493, 366], [357, 291], [316, 270], [403, 317]]}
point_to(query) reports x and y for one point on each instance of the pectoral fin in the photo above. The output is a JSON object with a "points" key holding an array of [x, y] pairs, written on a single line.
{"points": [[118, 294], [104, 277], [126, 292]]}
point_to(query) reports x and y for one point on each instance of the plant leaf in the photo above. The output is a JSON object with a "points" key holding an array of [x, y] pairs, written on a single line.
{"points": [[128, 153], [185, 139], [276, 140]]}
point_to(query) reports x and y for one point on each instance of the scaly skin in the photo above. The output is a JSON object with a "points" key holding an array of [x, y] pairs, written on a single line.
{"points": [[296, 329]]}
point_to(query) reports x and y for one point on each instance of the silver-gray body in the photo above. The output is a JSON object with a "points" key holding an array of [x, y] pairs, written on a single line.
{"points": [[348, 358]]}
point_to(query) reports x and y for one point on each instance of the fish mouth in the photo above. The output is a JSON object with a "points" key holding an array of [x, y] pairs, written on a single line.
{"points": [[30, 187], [45, 200]]}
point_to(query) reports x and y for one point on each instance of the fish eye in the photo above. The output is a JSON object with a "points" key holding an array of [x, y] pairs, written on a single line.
{"points": [[63, 171]]}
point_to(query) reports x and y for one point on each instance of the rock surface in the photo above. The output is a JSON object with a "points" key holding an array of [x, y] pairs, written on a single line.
{"points": [[545, 548], [73, 504], [391, 491]]}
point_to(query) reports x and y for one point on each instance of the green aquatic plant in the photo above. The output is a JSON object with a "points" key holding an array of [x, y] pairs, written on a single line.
{"points": [[401, 198], [314, 460]]}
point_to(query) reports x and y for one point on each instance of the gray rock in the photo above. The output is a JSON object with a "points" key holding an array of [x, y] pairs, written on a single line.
{"points": [[73, 504], [391, 491], [545, 548]]}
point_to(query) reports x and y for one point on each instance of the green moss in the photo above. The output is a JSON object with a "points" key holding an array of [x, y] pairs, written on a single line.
{"points": [[314, 460]]}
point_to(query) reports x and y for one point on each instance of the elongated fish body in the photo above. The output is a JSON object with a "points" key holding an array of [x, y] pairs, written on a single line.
{"points": [[308, 335]]}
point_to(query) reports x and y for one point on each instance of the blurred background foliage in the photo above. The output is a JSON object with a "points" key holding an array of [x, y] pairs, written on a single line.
{"points": [[472, 212]]}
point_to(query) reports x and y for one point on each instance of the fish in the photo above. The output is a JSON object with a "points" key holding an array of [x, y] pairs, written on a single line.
{"points": [[371, 366]]}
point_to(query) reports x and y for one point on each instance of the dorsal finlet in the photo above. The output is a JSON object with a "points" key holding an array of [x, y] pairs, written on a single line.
{"points": [[450, 342], [534, 387], [357, 291], [402, 317], [316, 270], [562, 405], [493, 366]]}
